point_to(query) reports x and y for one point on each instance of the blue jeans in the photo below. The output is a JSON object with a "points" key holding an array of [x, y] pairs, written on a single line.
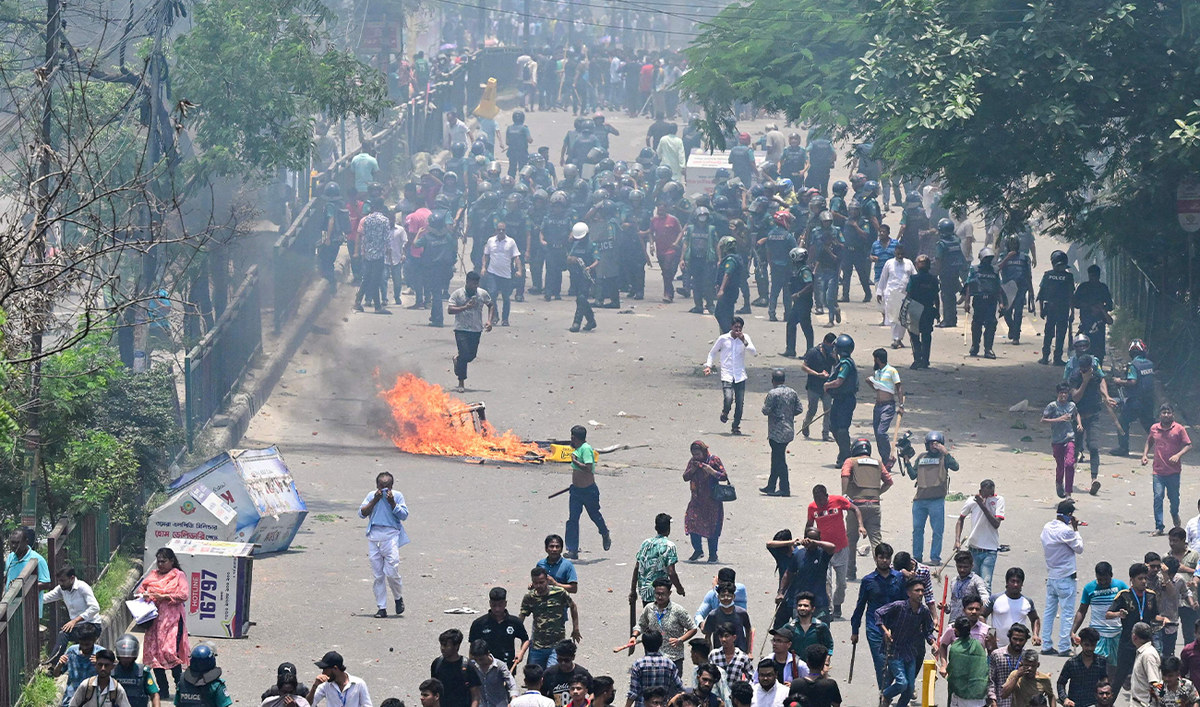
{"points": [[829, 286], [933, 509], [1060, 600], [579, 499], [501, 288], [904, 680], [878, 654], [985, 564], [544, 657], [1165, 486]]}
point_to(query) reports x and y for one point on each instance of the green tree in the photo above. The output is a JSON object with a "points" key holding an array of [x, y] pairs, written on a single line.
{"points": [[256, 74]]}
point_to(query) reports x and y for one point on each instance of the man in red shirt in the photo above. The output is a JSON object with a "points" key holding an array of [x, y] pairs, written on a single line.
{"points": [[1169, 441], [828, 514], [667, 235]]}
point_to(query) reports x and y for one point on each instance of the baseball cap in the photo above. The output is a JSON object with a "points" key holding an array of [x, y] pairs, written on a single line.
{"points": [[782, 632], [332, 659], [1066, 508]]}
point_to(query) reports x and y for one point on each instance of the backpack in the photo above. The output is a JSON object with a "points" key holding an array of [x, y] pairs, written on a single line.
{"points": [[821, 153], [527, 72], [341, 224]]}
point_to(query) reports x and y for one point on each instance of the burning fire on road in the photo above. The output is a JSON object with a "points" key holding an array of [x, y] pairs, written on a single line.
{"points": [[428, 420]]}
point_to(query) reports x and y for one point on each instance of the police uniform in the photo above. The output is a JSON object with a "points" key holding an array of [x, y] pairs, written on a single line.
{"points": [[556, 231], [821, 157], [792, 163], [138, 682], [841, 411], [608, 271], [951, 262], [733, 267], [923, 288], [701, 254], [1139, 401], [1016, 267], [858, 253], [437, 261], [829, 266], [801, 311], [631, 251], [581, 279], [1094, 302], [1054, 293], [779, 243], [983, 284]]}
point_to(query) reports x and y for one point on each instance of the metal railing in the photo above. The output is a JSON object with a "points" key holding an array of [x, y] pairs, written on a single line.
{"points": [[85, 542], [213, 368]]}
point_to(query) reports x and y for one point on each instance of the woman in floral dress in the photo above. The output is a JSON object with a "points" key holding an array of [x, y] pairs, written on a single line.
{"points": [[166, 644]]}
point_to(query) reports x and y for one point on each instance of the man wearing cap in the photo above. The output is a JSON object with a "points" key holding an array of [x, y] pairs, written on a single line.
{"points": [[385, 512], [336, 685]]}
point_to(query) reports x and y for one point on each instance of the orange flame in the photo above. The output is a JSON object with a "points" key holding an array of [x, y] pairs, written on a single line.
{"points": [[428, 420]]}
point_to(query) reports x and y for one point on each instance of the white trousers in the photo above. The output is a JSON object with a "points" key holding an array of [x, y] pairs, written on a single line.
{"points": [[383, 550]]}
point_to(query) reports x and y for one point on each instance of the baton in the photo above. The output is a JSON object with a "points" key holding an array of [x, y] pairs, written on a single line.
{"points": [[558, 493], [942, 610], [853, 654]]}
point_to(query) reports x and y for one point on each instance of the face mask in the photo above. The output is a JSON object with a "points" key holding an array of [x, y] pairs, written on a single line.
{"points": [[725, 605]]}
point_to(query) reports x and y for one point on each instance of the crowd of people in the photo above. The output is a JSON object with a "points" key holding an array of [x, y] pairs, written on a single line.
{"points": [[803, 241]]}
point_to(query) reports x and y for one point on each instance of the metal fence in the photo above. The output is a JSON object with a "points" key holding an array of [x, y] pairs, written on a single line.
{"points": [[214, 366], [87, 543]]}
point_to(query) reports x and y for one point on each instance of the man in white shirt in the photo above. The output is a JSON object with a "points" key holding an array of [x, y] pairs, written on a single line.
{"points": [[336, 685], [501, 265], [1061, 542], [81, 604], [768, 691], [891, 289], [1193, 531], [532, 697], [671, 153], [1011, 606], [985, 512], [729, 350]]}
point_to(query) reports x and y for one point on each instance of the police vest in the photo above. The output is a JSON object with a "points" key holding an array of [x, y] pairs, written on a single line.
{"points": [[849, 386], [951, 256], [987, 284], [866, 476], [189, 695], [933, 481], [1016, 269], [699, 243], [134, 682], [556, 230], [1057, 288], [1143, 389], [793, 159]]}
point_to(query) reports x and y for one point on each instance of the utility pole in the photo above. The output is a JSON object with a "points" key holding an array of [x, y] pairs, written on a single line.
{"points": [[41, 224], [525, 21]]}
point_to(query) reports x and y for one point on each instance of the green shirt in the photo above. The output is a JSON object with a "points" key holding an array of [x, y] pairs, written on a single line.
{"points": [[583, 455], [549, 616], [654, 557]]}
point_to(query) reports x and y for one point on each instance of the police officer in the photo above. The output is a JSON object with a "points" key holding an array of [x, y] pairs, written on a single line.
{"points": [[864, 480], [842, 386], [699, 254], [1054, 294], [932, 474], [201, 684], [923, 288], [437, 261], [830, 260], [858, 243], [982, 291], [793, 160], [581, 259], [1139, 402], [821, 157], [801, 284], [951, 264], [602, 231], [1015, 267], [136, 678], [729, 280], [1094, 302], [518, 139], [631, 242], [554, 233], [778, 242], [1089, 390]]}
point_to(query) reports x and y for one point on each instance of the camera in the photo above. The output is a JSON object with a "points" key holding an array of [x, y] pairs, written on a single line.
{"points": [[905, 452]]}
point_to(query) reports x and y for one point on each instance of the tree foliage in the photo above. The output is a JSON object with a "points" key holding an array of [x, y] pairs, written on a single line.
{"points": [[257, 74], [1084, 112]]}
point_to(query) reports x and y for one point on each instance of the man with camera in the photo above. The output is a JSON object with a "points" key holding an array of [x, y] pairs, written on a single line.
{"points": [[385, 512], [932, 474]]}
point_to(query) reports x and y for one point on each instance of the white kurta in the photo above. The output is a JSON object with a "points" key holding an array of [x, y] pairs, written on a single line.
{"points": [[892, 285]]}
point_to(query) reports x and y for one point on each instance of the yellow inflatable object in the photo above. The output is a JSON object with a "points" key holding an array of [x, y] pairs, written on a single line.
{"points": [[487, 107]]}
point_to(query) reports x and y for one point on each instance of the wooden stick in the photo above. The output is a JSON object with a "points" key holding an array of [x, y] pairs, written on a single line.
{"points": [[559, 493]]}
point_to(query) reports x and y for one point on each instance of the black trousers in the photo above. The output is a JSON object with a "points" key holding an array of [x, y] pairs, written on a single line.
{"points": [[556, 262], [372, 281], [468, 348], [779, 468], [950, 285], [860, 262], [583, 308], [983, 322], [1057, 328], [801, 314]]}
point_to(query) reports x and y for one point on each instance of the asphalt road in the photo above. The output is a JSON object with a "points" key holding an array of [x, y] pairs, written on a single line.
{"points": [[635, 380]]}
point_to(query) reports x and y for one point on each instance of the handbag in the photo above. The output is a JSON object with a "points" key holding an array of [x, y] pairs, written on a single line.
{"points": [[724, 492]]}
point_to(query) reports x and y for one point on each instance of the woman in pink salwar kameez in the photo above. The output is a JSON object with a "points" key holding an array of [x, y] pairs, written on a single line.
{"points": [[166, 644]]}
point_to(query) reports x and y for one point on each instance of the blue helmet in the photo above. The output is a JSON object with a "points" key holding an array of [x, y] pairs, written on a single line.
{"points": [[870, 188], [844, 345], [203, 659], [722, 173]]}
